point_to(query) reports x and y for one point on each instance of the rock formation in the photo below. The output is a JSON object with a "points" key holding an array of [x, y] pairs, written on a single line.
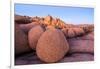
{"points": [[21, 41], [52, 46], [80, 40]]}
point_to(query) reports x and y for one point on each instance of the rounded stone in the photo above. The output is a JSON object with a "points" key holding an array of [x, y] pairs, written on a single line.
{"points": [[33, 36], [52, 46], [21, 41]]}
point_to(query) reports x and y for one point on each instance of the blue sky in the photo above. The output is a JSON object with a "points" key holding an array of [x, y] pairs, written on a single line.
{"points": [[76, 15]]}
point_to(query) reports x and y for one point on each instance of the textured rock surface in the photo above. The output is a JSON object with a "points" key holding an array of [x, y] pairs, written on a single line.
{"points": [[78, 56], [22, 19], [82, 44], [21, 42], [27, 27], [34, 35], [79, 37], [52, 46], [72, 30], [31, 58]]}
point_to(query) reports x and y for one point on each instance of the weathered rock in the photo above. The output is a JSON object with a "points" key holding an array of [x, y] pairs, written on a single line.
{"points": [[78, 31], [27, 27], [21, 41], [29, 58], [22, 19], [50, 27], [73, 32], [82, 44], [87, 27], [70, 33], [78, 57], [33, 36], [89, 36], [52, 46]]}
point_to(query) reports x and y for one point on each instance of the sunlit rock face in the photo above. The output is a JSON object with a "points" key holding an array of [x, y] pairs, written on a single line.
{"points": [[52, 43]]}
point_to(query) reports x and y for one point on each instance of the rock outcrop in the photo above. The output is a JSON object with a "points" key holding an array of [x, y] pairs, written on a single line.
{"points": [[80, 40], [22, 19], [21, 41]]}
